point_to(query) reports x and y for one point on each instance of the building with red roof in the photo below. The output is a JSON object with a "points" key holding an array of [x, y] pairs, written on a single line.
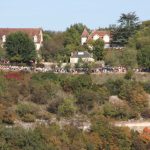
{"points": [[95, 35], [36, 34]]}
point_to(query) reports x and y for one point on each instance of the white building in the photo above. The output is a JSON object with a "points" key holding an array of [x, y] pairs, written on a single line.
{"points": [[95, 35], [36, 34], [84, 56]]}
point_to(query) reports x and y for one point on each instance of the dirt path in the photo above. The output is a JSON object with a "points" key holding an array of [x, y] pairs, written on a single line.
{"points": [[134, 125]]}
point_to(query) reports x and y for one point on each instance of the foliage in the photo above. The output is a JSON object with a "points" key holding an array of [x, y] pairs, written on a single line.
{"points": [[147, 87], [8, 117], [113, 57], [86, 100], [20, 139], [146, 113], [73, 35], [119, 111], [65, 96], [129, 58], [140, 42], [2, 54], [53, 45], [24, 109], [134, 94], [129, 75], [20, 48], [98, 49], [113, 137], [144, 57], [128, 24], [41, 93], [76, 83], [67, 108]]}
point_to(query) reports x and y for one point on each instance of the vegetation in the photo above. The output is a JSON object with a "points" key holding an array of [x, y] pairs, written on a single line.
{"points": [[20, 48], [46, 95], [128, 25], [50, 103]]}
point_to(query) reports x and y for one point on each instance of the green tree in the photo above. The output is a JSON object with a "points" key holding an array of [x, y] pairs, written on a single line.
{"points": [[53, 46], [98, 49], [144, 57], [73, 34], [128, 24], [141, 42], [20, 48], [129, 58], [2, 54]]}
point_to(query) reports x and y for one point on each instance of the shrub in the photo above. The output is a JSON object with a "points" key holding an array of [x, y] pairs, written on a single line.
{"points": [[114, 86], [76, 83], [86, 100], [24, 109], [28, 118], [67, 108], [146, 113], [53, 105], [147, 87], [8, 117], [134, 94], [41, 93], [119, 111], [129, 75]]}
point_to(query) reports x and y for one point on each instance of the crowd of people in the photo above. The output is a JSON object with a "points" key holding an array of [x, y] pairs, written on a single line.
{"points": [[106, 69]]}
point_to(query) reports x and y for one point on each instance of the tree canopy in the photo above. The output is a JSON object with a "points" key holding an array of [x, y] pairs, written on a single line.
{"points": [[141, 42], [98, 49], [128, 24], [20, 48]]}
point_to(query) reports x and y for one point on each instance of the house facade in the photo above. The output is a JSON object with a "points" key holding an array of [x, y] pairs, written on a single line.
{"points": [[84, 56], [95, 35], [36, 34]]}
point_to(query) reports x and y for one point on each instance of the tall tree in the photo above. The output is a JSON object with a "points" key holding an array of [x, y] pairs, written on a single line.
{"points": [[52, 45], [98, 49], [73, 35], [128, 24], [20, 48], [141, 42], [144, 57]]}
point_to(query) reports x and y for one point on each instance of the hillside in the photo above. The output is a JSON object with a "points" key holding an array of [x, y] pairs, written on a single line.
{"points": [[50, 111]]}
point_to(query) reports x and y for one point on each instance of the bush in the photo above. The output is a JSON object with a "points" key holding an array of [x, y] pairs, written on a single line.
{"points": [[129, 75], [147, 87], [119, 111], [146, 113], [86, 100], [67, 108], [53, 106], [28, 118], [8, 117], [41, 93], [76, 83], [25, 109], [134, 94], [114, 86]]}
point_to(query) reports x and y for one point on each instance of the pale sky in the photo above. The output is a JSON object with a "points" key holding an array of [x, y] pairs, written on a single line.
{"points": [[60, 14]]}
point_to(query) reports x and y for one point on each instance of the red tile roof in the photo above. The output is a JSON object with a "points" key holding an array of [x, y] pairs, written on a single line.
{"points": [[30, 31], [85, 33], [101, 34]]}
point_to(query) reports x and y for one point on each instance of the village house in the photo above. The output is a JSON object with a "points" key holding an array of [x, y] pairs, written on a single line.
{"points": [[95, 35], [36, 34], [84, 56]]}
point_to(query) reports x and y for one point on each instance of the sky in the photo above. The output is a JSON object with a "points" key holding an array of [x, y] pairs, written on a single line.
{"points": [[59, 14]]}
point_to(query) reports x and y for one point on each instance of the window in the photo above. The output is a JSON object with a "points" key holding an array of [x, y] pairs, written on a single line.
{"points": [[35, 39], [4, 38]]}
